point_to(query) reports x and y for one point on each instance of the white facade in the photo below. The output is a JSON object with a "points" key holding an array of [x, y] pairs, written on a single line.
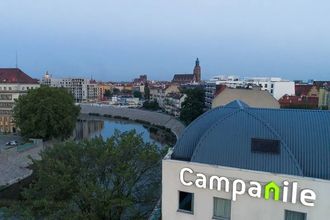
{"points": [[82, 89], [275, 85], [245, 207]]}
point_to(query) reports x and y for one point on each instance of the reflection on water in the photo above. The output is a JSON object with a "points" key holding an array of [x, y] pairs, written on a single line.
{"points": [[93, 126]]}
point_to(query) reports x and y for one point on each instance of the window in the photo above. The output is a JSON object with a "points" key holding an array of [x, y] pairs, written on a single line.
{"points": [[265, 146], [186, 201], [272, 86], [291, 215], [221, 208], [266, 85]]}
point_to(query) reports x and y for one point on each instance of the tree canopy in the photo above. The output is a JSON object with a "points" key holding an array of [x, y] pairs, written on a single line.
{"points": [[117, 178], [46, 113], [193, 106], [137, 94]]}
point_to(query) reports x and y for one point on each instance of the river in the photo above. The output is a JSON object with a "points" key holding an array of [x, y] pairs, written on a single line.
{"points": [[93, 126]]}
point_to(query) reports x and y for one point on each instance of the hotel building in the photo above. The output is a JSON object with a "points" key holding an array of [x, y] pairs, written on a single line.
{"points": [[13, 83], [241, 163]]}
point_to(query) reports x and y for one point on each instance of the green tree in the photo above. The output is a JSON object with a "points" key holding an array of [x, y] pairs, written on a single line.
{"points": [[193, 106], [151, 105], [146, 91], [114, 179], [108, 93], [46, 113], [137, 94], [115, 91]]}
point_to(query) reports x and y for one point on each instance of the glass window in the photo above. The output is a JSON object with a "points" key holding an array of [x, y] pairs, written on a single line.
{"points": [[186, 201], [221, 208], [291, 215]]}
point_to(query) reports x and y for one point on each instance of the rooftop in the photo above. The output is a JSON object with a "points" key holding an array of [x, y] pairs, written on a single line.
{"points": [[225, 135], [15, 75]]}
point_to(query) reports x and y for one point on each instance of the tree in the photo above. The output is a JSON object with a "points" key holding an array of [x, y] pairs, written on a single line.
{"points": [[108, 93], [151, 105], [146, 91], [117, 178], [116, 91], [193, 106], [46, 113], [137, 94]]}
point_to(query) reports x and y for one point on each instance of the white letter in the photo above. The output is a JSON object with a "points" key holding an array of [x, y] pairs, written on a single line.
{"points": [[294, 192], [201, 183], [311, 197], [219, 180], [181, 176], [285, 191], [255, 191], [235, 189]]}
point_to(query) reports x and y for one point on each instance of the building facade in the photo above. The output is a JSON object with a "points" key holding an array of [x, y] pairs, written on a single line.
{"points": [[195, 77], [240, 163], [13, 83], [173, 103], [277, 87], [82, 89]]}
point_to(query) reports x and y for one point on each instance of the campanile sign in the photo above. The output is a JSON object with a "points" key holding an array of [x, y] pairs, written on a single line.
{"points": [[287, 192]]}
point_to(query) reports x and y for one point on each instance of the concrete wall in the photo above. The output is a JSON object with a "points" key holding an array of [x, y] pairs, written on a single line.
{"points": [[283, 88], [245, 207], [154, 118]]}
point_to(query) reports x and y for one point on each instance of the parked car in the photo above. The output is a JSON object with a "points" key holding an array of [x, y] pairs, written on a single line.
{"points": [[12, 143]]}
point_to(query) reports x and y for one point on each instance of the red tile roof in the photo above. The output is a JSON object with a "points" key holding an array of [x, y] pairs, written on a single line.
{"points": [[302, 89], [15, 75], [299, 101]]}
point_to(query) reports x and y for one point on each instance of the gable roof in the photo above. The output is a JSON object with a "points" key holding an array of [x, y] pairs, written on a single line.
{"points": [[222, 136], [15, 75]]}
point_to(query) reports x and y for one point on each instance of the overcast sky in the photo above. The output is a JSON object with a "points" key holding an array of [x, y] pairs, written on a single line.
{"points": [[118, 40]]}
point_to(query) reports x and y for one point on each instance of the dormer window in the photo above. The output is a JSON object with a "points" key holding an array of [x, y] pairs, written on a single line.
{"points": [[259, 145]]}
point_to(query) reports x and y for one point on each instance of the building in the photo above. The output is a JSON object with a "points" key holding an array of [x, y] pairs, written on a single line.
{"points": [[236, 162], [103, 87], [158, 93], [13, 83], [324, 97], [302, 102], [189, 78], [141, 80], [253, 96], [197, 71], [173, 103], [82, 89], [274, 85]]}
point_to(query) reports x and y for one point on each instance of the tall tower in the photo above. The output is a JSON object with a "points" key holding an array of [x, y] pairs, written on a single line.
{"points": [[197, 71]]}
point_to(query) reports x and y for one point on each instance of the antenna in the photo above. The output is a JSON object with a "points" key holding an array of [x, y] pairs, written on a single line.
{"points": [[16, 60]]}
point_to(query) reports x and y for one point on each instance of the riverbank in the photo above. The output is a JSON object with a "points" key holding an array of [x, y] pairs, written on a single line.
{"points": [[143, 116]]}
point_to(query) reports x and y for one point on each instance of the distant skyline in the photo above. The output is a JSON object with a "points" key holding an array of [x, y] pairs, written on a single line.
{"points": [[119, 40]]}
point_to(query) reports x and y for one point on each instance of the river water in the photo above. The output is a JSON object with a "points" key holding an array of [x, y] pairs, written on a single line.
{"points": [[94, 126]]}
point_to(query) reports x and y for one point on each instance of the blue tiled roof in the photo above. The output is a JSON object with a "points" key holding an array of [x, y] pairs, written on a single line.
{"points": [[222, 136]]}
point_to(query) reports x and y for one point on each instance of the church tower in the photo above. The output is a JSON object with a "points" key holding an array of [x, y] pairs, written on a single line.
{"points": [[197, 71]]}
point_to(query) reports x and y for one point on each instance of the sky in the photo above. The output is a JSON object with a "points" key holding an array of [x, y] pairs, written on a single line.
{"points": [[119, 40]]}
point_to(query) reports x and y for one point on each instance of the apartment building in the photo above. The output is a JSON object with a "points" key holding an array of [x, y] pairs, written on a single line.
{"points": [[82, 89], [13, 83]]}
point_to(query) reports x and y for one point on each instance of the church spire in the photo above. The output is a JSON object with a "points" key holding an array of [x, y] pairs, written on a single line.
{"points": [[197, 71]]}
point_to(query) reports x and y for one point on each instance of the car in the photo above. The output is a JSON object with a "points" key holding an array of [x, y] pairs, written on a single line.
{"points": [[12, 143]]}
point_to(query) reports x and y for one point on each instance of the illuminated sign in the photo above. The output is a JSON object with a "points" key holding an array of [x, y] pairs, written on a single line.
{"points": [[288, 192]]}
